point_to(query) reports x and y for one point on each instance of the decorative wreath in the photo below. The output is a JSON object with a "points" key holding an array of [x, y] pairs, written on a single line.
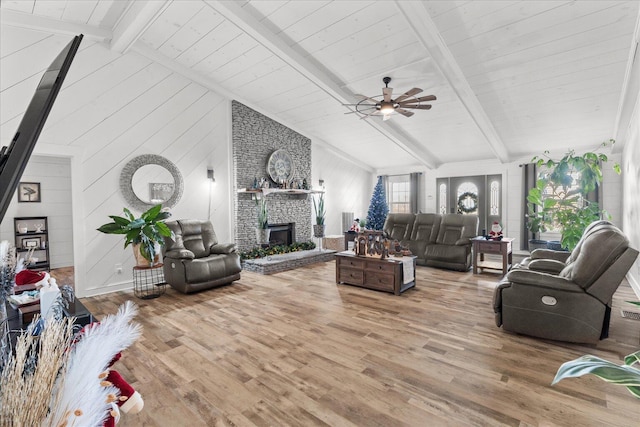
{"points": [[462, 207]]}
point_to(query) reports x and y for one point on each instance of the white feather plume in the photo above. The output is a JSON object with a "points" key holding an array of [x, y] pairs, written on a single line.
{"points": [[81, 392]]}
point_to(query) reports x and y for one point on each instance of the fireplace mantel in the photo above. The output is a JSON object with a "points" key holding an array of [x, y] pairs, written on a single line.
{"points": [[267, 191]]}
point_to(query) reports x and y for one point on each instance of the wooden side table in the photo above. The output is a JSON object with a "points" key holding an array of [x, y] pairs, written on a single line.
{"points": [[148, 282], [482, 246]]}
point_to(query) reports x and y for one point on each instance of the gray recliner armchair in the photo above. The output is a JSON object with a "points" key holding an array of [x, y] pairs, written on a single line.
{"points": [[195, 260], [551, 261], [574, 305]]}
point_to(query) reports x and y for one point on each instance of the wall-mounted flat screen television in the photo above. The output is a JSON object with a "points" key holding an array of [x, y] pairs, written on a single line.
{"points": [[13, 159]]}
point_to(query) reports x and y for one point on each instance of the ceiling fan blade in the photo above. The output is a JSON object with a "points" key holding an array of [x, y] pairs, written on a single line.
{"points": [[404, 112], [368, 114], [387, 92], [416, 107], [421, 99], [366, 98], [408, 93]]}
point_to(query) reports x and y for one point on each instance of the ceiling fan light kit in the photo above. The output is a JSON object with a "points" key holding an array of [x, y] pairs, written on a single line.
{"points": [[386, 106]]}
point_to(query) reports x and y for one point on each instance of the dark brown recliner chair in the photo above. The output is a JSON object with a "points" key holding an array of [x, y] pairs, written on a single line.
{"points": [[195, 261], [574, 305]]}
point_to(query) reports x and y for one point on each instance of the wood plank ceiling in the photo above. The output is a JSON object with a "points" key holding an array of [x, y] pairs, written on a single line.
{"points": [[512, 78]]}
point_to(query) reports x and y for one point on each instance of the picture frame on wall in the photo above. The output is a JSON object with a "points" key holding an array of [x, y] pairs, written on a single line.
{"points": [[31, 243], [29, 192]]}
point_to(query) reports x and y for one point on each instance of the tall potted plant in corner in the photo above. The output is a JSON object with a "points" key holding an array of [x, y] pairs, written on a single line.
{"points": [[559, 199], [318, 227], [262, 230], [146, 233]]}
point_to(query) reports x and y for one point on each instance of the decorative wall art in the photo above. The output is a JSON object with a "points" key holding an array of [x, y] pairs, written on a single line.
{"points": [[28, 192]]}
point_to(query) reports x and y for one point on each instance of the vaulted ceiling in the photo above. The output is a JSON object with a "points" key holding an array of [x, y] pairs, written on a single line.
{"points": [[512, 78]]}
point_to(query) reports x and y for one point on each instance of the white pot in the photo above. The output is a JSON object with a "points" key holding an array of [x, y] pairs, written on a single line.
{"points": [[262, 235]]}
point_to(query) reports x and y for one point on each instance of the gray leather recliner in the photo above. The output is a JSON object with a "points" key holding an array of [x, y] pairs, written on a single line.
{"points": [[551, 261], [574, 305], [195, 260]]}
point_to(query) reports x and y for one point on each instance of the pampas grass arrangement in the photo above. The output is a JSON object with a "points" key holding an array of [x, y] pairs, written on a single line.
{"points": [[28, 380], [65, 388]]}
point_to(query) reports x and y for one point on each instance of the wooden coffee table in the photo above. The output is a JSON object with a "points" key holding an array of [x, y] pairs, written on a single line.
{"points": [[373, 273], [482, 246]]}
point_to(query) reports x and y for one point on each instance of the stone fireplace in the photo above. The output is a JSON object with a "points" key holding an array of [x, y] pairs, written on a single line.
{"points": [[254, 138]]}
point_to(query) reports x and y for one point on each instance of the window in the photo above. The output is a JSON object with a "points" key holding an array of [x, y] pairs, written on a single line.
{"points": [[559, 193], [494, 198], [442, 197], [398, 194]]}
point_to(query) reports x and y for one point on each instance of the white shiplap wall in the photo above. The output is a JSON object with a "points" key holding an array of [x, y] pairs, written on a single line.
{"points": [[113, 107], [347, 187], [54, 176]]}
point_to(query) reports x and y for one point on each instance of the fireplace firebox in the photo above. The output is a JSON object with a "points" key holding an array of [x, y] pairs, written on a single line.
{"points": [[282, 234]]}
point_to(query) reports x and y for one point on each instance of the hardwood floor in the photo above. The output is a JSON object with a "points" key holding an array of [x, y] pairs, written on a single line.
{"points": [[295, 349]]}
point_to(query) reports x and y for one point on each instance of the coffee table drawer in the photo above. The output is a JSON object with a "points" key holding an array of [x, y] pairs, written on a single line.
{"points": [[351, 263], [379, 280], [386, 267], [351, 275]]}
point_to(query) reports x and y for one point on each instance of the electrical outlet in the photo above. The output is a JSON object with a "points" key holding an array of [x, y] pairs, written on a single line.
{"points": [[118, 268]]}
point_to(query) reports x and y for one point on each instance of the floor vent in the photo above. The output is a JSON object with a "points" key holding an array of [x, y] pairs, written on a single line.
{"points": [[630, 315]]}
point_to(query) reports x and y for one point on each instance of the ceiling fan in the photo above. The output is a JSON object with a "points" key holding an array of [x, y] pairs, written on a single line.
{"points": [[385, 106]]}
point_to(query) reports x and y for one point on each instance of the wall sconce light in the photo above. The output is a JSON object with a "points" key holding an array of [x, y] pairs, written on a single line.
{"points": [[210, 175]]}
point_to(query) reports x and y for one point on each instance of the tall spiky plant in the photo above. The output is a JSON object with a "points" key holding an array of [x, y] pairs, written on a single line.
{"points": [[319, 209], [263, 214]]}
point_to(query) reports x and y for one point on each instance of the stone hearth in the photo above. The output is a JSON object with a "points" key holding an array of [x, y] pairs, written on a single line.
{"points": [[283, 262]]}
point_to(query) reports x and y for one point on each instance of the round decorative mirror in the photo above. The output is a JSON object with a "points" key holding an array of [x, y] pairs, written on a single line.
{"points": [[149, 180]]}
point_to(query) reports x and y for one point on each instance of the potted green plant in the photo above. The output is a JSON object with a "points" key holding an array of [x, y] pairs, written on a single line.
{"points": [[146, 233], [262, 230], [559, 199], [626, 375], [318, 227]]}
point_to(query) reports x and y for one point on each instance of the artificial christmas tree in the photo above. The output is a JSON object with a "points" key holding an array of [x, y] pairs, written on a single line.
{"points": [[378, 208]]}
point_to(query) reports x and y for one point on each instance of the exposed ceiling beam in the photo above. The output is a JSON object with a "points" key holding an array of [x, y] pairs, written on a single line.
{"points": [[196, 77], [427, 33], [235, 14], [40, 23], [138, 16]]}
